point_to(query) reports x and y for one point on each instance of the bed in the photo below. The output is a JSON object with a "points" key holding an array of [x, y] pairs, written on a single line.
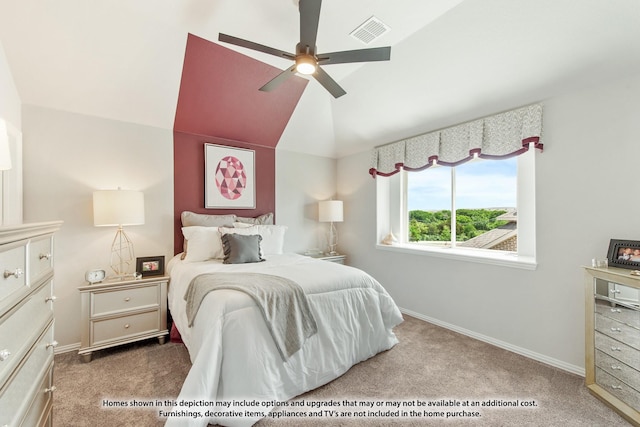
{"points": [[233, 353]]}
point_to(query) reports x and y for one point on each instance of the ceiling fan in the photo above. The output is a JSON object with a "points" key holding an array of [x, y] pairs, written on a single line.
{"points": [[307, 60]]}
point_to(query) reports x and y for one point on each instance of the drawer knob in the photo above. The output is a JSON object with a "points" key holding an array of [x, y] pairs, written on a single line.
{"points": [[616, 330], [52, 344], [4, 355], [50, 389], [616, 310], [616, 387], [45, 256], [616, 349], [616, 367], [127, 299], [16, 273], [52, 298], [126, 326]]}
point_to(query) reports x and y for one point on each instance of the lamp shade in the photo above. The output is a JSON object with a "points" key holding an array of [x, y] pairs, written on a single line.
{"points": [[118, 207], [330, 211], [5, 154]]}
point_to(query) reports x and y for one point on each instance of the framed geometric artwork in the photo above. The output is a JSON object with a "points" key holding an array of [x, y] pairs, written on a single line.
{"points": [[229, 177]]}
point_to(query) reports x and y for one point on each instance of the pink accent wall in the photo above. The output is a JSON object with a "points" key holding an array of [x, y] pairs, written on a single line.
{"points": [[219, 102], [219, 95], [188, 176]]}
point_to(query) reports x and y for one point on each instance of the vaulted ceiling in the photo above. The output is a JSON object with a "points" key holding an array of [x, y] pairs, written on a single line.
{"points": [[451, 60]]}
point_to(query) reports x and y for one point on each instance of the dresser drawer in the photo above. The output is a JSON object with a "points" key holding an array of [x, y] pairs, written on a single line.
{"points": [[618, 312], [618, 389], [104, 331], [18, 393], [616, 349], [107, 302], [39, 413], [29, 318], [622, 371], [12, 278], [40, 258], [618, 331]]}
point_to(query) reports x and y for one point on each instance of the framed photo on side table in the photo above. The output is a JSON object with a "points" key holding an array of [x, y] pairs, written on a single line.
{"points": [[624, 254], [150, 266]]}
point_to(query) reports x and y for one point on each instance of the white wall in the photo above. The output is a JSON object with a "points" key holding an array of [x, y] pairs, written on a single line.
{"points": [[585, 196], [10, 113], [301, 182], [66, 157], [9, 99]]}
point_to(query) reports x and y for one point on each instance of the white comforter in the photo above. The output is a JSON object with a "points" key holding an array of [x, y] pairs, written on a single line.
{"points": [[233, 354]]}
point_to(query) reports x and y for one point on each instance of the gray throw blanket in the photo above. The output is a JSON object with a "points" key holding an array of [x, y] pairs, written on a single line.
{"points": [[282, 302]]}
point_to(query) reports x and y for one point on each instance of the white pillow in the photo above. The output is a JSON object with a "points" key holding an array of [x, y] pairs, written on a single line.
{"points": [[204, 243], [272, 236]]}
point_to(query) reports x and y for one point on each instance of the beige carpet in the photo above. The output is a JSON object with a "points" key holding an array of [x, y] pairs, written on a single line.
{"points": [[429, 364]]}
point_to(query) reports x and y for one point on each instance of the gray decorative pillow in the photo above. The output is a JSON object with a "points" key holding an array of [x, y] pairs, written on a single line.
{"points": [[190, 219], [241, 249], [265, 219]]}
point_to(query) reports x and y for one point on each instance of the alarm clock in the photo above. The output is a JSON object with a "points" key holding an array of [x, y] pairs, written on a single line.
{"points": [[95, 276]]}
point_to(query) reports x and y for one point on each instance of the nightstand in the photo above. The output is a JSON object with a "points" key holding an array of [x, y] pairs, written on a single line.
{"points": [[120, 312], [338, 259]]}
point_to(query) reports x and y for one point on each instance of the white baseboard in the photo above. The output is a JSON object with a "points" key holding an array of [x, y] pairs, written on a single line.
{"points": [[71, 347], [515, 349]]}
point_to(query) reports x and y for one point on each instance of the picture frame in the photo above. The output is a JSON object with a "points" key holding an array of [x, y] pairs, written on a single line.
{"points": [[624, 254], [150, 266], [230, 178]]}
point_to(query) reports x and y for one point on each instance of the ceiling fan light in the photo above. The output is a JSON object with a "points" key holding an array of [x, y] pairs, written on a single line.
{"points": [[306, 64]]}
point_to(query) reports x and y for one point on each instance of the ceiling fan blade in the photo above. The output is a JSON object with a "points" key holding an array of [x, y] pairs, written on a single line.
{"points": [[309, 18], [279, 79], [360, 55], [254, 46], [329, 84]]}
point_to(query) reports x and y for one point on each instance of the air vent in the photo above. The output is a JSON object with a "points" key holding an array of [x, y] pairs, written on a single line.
{"points": [[370, 30]]}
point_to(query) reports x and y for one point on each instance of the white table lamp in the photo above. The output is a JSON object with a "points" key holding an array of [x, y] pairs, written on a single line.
{"points": [[331, 211], [117, 208]]}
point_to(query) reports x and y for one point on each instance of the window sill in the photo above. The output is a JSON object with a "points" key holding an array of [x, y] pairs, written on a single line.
{"points": [[505, 259]]}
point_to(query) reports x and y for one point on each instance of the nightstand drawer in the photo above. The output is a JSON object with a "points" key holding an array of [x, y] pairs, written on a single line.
{"points": [[12, 277], [124, 327], [40, 258], [20, 328], [125, 299]]}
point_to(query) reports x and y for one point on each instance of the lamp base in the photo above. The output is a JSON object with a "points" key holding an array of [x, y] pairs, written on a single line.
{"points": [[333, 239], [121, 253]]}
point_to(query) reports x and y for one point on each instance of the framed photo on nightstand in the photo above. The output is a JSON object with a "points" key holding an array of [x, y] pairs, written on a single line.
{"points": [[150, 266]]}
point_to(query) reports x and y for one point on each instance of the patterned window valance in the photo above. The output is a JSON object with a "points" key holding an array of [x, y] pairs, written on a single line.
{"points": [[495, 137]]}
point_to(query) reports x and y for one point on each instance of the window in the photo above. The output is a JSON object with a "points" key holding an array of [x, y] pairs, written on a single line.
{"points": [[416, 206], [483, 195]]}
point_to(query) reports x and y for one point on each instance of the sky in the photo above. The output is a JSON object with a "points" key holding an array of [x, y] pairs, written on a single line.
{"points": [[479, 184]]}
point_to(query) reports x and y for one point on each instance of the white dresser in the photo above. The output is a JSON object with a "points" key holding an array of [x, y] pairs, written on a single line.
{"points": [[26, 324], [613, 339]]}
